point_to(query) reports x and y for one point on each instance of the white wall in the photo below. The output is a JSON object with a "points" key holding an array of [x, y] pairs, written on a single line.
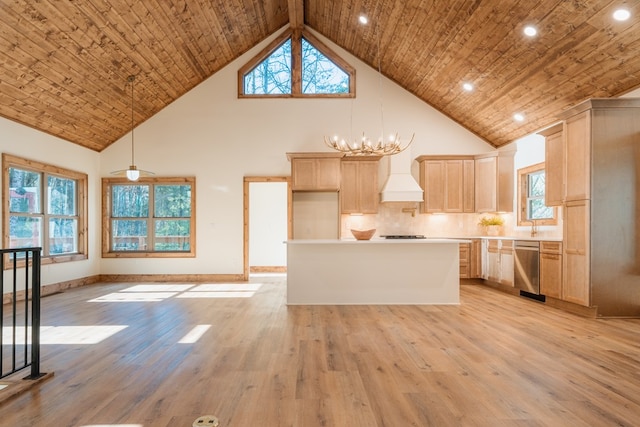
{"points": [[267, 224], [211, 134], [27, 143]]}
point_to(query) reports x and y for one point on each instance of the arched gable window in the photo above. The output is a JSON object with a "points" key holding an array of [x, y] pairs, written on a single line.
{"points": [[296, 64]]}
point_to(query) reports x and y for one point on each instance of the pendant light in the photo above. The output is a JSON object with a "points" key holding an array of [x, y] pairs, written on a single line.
{"points": [[133, 173]]}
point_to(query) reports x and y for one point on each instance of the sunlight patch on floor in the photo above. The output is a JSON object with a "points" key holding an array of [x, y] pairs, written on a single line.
{"points": [[161, 292], [89, 334], [194, 334], [157, 287], [125, 296], [3, 386], [216, 295]]}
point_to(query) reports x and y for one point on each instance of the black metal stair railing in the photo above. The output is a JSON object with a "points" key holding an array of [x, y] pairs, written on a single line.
{"points": [[20, 319]]}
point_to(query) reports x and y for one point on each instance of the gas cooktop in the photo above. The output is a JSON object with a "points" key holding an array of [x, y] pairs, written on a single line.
{"points": [[403, 236]]}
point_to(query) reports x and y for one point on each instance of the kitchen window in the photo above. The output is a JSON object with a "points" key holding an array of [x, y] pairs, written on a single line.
{"points": [[151, 217], [531, 192], [46, 207]]}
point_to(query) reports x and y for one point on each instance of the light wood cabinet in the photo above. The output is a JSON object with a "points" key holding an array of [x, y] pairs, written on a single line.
{"points": [[600, 243], [359, 192], [578, 152], [506, 263], [576, 285], [494, 189], [470, 260], [448, 183], [554, 165], [493, 260], [465, 260], [551, 269], [476, 258], [499, 258], [315, 171]]}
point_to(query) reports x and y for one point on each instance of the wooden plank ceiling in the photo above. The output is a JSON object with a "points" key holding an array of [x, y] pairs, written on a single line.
{"points": [[64, 64]]}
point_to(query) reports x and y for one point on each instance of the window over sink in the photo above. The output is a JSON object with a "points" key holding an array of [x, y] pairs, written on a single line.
{"points": [[531, 192]]}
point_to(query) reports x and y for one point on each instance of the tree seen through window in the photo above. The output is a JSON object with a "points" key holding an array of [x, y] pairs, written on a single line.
{"points": [[314, 70]]}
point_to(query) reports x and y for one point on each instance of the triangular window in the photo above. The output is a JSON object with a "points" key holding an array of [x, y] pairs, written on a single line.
{"points": [[320, 74], [273, 75], [296, 64]]}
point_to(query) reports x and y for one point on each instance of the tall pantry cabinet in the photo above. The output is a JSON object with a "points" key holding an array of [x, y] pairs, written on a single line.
{"points": [[601, 205]]}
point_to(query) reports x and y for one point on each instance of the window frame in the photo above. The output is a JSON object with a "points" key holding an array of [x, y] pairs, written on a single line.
{"points": [[523, 186], [108, 183], [296, 37], [82, 210]]}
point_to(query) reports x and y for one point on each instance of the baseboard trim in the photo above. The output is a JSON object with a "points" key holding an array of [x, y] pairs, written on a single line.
{"points": [[53, 288], [190, 278], [267, 269], [126, 278], [590, 312]]}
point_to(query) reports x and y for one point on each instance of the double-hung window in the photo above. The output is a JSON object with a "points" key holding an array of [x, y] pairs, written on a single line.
{"points": [[531, 204], [149, 217], [47, 208]]}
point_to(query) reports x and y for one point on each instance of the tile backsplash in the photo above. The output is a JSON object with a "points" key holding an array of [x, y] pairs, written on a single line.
{"points": [[405, 218]]}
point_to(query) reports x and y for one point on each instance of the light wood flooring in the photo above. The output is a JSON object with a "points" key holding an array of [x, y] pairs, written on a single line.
{"points": [[494, 360]]}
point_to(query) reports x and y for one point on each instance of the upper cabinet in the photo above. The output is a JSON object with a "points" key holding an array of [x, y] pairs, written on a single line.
{"points": [[578, 166], [448, 183], [359, 192], [601, 197], [494, 182], [315, 171], [554, 165]]}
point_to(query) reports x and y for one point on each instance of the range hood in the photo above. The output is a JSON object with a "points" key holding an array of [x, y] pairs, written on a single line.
{"points": [[400, 185]]}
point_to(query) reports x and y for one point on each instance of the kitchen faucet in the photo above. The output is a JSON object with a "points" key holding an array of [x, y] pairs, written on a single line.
{"points": [[534, 228]]}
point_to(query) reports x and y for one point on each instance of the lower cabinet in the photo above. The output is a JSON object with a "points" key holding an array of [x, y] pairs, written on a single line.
{"points": [[551, 269], [498, 261], [465, 260], [470, 260], [506, 262]]}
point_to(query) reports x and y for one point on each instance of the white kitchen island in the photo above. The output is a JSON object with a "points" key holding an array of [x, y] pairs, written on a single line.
{"points": [[413, 271]]}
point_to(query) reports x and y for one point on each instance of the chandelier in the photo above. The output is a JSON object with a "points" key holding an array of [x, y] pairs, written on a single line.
{"points": [[132, 173], [365, 146]]}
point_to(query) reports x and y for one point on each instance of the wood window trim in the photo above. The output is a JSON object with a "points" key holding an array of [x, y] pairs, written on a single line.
{"points": [[522, 197], [9, 161], [296, 37], [107, 183]]}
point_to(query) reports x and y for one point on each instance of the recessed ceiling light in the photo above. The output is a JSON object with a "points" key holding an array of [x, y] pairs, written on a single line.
{"points": [[363, 19], [518, 117], [530, 31], [621, 14], [467, 86]]}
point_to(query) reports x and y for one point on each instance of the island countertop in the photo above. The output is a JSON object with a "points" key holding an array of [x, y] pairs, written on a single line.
{"points": [[374, 241], [377, 271]]}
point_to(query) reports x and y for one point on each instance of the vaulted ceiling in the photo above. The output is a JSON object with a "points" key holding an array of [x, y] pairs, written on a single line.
{"points": [[64, 64]]}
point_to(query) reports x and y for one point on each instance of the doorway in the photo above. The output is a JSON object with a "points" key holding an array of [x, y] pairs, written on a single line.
{"points": [[267, 224]]}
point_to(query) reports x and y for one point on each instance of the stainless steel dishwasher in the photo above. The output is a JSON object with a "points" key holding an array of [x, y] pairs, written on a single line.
{"points": [[527, 268]]}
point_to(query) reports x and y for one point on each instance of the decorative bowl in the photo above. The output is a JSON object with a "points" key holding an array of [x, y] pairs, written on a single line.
{"points": [[363, 234]]}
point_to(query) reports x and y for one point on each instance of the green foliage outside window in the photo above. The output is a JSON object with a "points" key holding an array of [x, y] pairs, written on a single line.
{"points": [[28, 225], [134, 229]]}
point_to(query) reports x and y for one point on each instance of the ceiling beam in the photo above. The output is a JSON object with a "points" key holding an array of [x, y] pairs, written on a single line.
{"points": [[296, 14]]}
